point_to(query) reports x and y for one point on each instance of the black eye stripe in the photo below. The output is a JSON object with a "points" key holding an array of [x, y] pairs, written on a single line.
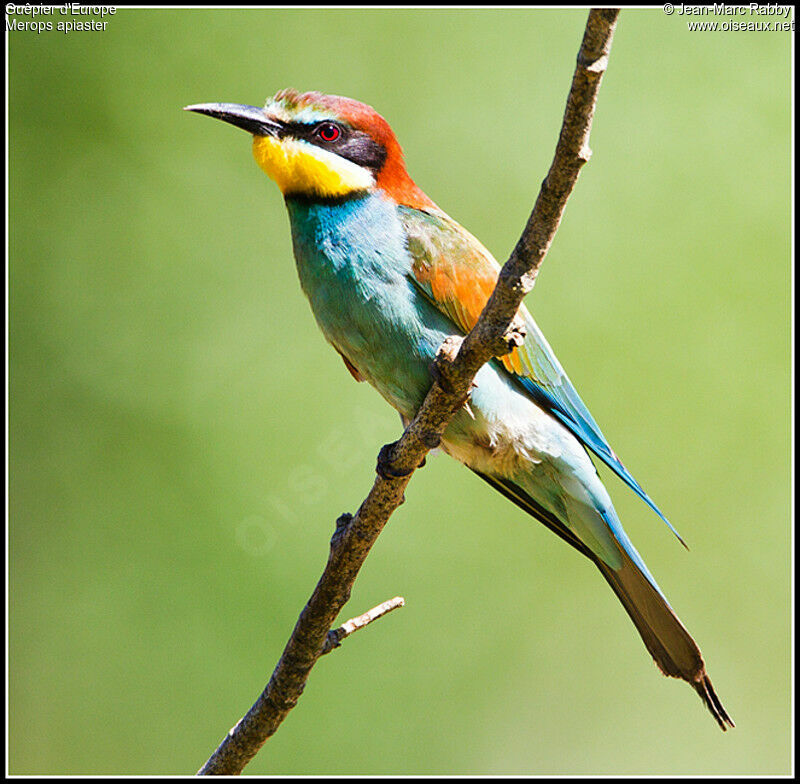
{"points": [[356, 146]]}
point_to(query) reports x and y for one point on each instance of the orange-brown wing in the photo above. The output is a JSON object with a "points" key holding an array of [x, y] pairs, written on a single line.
{"points": [[455, 271], [457, 274]]}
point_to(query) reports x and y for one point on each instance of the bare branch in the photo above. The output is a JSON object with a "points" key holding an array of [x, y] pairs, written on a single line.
{"points": [[456, 365], [335, 636]]}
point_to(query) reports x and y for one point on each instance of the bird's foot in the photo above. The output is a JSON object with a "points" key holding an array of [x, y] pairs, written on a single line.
{"points": [[440, 366], [440, 377], [512, 338], [384, 467]]}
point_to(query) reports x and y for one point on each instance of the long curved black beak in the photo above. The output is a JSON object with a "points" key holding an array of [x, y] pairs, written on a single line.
{"points": [[249, 118]]}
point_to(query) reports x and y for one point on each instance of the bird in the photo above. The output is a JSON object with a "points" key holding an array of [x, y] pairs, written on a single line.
{"points": [[389, 277]]}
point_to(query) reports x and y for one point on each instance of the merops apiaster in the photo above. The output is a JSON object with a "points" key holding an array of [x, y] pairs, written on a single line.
{"points": [[389, 277]]}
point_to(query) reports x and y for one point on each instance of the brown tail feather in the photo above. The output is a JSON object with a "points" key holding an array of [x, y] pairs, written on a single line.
{"points": [[672, 647]]}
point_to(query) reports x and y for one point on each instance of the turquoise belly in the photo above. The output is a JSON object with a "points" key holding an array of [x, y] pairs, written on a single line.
{"points": [[354, 268]]}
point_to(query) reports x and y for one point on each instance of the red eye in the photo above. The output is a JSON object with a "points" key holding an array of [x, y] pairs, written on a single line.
{"points": [[329, 132]]}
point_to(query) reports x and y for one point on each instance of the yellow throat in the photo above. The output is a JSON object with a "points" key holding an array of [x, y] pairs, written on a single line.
{"points": [[299, 167]]}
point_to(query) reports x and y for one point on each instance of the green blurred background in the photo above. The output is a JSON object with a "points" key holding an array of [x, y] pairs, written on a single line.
{"points": [[182, 439]]}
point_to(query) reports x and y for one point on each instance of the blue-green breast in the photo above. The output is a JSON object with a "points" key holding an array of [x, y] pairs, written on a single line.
{"points": [[355, 269]]}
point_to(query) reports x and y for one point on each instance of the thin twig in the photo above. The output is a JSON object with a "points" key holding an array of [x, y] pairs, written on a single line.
{"points": [[456, 365], [335, 636]]}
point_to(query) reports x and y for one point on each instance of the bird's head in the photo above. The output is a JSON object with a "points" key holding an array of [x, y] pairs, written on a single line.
{"points": [[323, 147]]}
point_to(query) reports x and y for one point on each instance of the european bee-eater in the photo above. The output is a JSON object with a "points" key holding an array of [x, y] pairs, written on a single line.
{"points": [[389, 277]]}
